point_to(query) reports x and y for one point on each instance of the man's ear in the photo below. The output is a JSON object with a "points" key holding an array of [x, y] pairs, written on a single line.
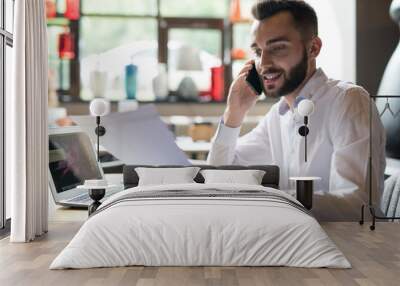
{"points": [[315, 47]]}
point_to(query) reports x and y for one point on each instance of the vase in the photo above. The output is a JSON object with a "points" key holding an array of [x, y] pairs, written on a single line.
{"points": [[160, 83], [131, 71]]}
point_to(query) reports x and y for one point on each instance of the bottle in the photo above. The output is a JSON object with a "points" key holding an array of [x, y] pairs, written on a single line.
{"points": [[131, 81], [160, 83], [217, 83], [98, 81]]}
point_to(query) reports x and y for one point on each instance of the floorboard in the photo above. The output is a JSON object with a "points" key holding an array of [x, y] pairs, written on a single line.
{"points": [[374, 255]]}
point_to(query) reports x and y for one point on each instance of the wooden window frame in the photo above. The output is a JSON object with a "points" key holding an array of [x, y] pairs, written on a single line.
{"points": [[165, 24]]}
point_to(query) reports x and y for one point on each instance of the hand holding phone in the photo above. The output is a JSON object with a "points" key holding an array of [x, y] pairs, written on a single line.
{"points": [[241, 98], [254, 80]]}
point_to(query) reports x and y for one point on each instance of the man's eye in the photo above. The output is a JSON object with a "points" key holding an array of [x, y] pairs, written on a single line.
{"points": [[257, 53], [277, 48]]}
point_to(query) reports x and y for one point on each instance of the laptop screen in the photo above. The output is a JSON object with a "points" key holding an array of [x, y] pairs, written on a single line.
{"points": [[71, 160]]}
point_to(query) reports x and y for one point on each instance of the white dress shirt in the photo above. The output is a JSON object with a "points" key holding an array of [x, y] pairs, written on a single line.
{"points": [[338, 142]]}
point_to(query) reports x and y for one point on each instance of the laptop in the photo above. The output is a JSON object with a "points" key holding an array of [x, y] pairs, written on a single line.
{"points": [[72, 160]]}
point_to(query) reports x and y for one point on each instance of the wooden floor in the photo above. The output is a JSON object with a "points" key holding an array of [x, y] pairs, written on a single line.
{"points": [[375, 257]]}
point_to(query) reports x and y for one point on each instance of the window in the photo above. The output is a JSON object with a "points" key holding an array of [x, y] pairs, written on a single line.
{"points": [[111, 34], [337, 27], [120, 7], [194, 8], [107, 45], [6, 43]]}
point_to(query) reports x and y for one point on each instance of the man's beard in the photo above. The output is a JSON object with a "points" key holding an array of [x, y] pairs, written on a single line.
{"points": [[296, 77]]}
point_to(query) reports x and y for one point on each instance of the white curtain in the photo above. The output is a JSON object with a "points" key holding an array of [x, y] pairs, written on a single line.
{"points": [[26, 124]]}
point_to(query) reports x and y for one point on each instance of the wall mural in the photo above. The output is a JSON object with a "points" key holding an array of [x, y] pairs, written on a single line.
{"points": [[390, 85]]}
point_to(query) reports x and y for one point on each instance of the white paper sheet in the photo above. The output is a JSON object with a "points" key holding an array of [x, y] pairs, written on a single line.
{"points": [[136, 137]]}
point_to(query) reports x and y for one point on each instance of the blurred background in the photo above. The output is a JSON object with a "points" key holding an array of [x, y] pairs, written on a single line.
{"points": [[182, 55], [100, 37]]}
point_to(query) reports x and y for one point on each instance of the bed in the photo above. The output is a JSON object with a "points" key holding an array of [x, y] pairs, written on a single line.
{"points": [[199, 224]]}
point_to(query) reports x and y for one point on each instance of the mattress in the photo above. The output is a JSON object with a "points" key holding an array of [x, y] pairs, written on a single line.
{"points": [[201, 225]]}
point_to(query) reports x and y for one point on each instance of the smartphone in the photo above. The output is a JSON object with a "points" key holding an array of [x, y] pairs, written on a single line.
{"points": [[255, 81]]}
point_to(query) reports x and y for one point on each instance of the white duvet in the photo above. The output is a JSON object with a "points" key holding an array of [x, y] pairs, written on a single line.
{"points": [[202, 231]]}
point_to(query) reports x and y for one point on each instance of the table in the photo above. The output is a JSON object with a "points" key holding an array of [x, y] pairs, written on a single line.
{"points": [[195, 149], [305, 190]]}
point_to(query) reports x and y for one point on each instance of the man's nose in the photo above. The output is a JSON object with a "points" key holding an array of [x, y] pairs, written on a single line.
{"points": [[265, 62]]}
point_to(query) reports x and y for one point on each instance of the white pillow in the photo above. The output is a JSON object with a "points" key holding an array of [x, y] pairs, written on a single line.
{"points": [[165, 176], [248, 177]]}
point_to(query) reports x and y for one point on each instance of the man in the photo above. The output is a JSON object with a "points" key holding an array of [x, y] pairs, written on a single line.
{"points": [[285, 43]]}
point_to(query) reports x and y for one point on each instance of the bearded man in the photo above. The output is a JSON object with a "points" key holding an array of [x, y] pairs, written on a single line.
{"points": [[285, 43]]}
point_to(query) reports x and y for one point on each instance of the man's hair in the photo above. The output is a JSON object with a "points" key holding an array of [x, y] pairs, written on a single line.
{"points": [[303, 14]]}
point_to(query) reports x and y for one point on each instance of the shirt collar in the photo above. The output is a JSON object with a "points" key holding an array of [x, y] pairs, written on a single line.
{"points": [[312, 85]]}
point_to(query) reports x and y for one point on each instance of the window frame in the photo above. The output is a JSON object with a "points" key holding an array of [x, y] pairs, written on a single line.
{"points": [[168, 23], [6, 39]]}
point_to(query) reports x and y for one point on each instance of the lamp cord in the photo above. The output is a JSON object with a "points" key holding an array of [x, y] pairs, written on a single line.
{"points": [[305, 138], [305, 148], [98, 138]]}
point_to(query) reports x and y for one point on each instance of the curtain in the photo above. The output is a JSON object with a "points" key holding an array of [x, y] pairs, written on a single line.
{"points": [[26, 124]]}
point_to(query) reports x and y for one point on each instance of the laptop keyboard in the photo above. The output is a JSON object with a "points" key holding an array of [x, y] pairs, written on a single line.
{"points": [[85, 199]]}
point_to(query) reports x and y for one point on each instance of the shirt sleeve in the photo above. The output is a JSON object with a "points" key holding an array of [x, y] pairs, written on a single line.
{"points": [[350, 137], [227, 148]]}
